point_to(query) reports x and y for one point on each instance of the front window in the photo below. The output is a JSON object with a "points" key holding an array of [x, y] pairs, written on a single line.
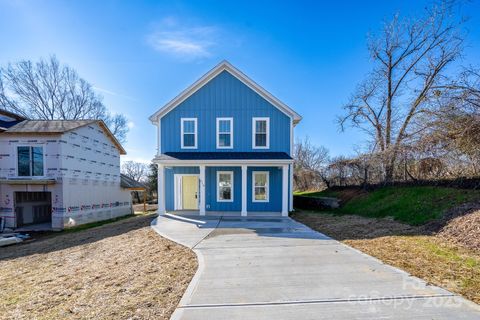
{"points": [[260, 186], [225, 186], [261, 127], [30, 161], [224, 133], [189, 133]]}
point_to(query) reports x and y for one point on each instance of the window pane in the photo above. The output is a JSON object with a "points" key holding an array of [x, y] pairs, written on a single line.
{"points": [[224, 140], [189, 126], [225, 179], [225, 193], [189, 140], [260, 193], [37, 166], [224, 126], [261, 126], [260, 179], [224, 186], [261, 140], [23, 161]]}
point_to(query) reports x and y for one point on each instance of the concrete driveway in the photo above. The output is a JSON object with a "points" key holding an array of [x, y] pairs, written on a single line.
{"points": [[277, 268]]}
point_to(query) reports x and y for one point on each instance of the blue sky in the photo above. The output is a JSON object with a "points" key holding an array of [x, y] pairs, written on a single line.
{"points": [[140, 54]]}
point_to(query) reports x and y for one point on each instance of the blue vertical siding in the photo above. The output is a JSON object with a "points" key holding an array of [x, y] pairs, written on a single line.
{"points": [[275, 190], [225, 96], [169, 183], [211, 190]]}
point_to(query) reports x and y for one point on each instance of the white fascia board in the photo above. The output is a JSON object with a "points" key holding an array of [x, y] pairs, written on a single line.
{"points": [[223, 162], [225, 66]]}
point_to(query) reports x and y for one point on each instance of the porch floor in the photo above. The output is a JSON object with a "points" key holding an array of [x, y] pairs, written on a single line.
{"points": [[225, 213]]}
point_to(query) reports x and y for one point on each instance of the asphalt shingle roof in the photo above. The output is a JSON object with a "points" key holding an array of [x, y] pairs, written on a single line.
{"points": [[48, 126]]}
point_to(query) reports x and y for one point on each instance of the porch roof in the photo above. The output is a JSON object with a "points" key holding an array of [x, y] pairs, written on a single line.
{"points": [[224, 156]]}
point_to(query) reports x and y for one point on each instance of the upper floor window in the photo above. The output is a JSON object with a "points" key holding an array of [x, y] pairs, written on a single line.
{"points": [[224, 133], [225, 186], [30, 161], [261, 133], [189, 133]]}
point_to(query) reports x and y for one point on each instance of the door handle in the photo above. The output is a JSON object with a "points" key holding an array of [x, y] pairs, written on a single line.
{"points": [[196, 195]]}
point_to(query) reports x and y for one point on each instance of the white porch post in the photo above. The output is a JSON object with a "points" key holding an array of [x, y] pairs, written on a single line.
{"points": [[202, 190], [285, 190], [291, 188], [244, 190], [161, 189]]}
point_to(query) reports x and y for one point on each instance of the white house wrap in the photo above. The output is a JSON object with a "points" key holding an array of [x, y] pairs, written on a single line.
{"points": [[61, 172]]}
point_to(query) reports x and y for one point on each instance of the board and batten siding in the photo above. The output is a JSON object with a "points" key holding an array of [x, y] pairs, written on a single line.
{"points": [[170, 184], [225, 96], [211, 190]]}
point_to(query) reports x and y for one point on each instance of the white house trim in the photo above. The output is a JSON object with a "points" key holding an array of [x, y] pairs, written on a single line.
{"points": [[218, 187], [267, 185], [218, 133], [225, 66], [182, 120], [226, 163], [254, 132]]}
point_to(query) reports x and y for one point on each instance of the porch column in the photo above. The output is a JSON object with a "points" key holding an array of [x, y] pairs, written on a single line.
{"points": [[285, 190], [202, 190], [244, 190], [291, 188], [161, 189]]}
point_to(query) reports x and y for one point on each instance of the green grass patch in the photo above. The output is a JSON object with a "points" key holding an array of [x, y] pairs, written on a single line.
{"points": [[323, 193], [412, 205]]}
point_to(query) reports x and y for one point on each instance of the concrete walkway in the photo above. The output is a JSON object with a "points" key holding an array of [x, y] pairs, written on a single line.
{"points": [[277, 268]]}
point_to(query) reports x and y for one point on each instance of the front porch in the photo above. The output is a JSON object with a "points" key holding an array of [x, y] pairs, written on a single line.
{"points": [[236, 188]]}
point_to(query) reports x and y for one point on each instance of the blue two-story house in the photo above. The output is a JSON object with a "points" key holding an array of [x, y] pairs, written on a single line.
{"points": [[225, 146]]}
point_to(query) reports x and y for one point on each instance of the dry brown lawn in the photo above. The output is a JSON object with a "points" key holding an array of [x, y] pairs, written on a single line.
{"points": [[432, 257], [121, 270]]}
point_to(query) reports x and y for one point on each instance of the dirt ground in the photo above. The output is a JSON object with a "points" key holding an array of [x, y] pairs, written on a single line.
{"points": [[121, 270], [430, 256], [139, 207]]}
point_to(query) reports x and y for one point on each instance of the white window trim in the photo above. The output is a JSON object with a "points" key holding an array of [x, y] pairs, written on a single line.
{"points": [[31, 169], [218, 188], [254, 129], [182, 120], [218, 133], [267, 185]]}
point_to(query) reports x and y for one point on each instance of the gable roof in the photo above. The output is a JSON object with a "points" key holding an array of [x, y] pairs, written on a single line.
{"points": [[128, 183], [59, 127], [8, 119], [226, 66]]}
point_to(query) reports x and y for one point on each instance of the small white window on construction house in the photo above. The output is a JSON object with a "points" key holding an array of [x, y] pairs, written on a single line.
{"points": [[30, 161]]}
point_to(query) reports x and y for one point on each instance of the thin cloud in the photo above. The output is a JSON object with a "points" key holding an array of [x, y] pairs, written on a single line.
{"points": [[112, 93], [184, 42]]}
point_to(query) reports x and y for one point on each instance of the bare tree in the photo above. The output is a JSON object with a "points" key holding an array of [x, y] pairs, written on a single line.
{"points": [[48, 90], [411, 58], [137, 171], [310, 164]]}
